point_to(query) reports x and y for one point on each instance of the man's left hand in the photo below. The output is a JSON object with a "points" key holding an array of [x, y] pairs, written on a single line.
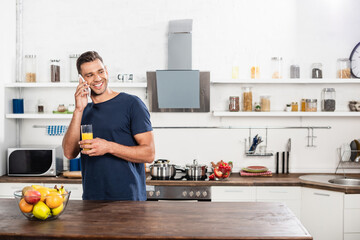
{"points": [[94, 147]]}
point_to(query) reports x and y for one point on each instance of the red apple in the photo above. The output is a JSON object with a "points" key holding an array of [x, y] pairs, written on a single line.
{"points": [[32, 196]]}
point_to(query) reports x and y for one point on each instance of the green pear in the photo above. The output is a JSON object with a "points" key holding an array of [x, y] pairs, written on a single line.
{"points": [[41, 211]]}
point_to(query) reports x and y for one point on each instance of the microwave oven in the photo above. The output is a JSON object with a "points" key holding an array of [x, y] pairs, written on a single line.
{"points": [[35, 161]]}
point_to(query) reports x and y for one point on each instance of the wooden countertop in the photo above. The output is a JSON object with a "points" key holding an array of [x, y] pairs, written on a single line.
{"points": [[156, 220], [234, 180]]}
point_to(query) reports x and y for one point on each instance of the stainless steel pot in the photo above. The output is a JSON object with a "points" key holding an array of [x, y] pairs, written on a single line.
{"points": [[196, 171], [162, 169]]}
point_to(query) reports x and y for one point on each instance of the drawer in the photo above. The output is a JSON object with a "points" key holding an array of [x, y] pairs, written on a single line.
{"points": [[351, 236], [234, 194], [352, 220], [278, 193], [352, 201], [7, 189]]}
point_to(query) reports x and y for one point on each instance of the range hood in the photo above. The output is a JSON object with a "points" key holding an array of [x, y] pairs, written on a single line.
{"points": [[179, 89]]}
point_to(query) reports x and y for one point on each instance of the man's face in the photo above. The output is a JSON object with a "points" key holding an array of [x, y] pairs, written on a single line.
{"points": [[96, 76]]}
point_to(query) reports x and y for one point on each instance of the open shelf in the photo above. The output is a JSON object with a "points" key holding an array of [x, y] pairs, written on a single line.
{"points": [[71, 84], [289, 81], [285, 114], [39, 116]]}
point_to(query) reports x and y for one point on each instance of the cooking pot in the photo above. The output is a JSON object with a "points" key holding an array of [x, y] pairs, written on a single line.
{"points": [[162, 169], [196, 171]]}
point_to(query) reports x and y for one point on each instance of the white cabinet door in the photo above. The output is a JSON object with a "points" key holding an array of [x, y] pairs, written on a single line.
{"points": [[76, 189], [322, 213], [233, 194], [352, 215], [351, 236], [7, 189], [291, 196]]}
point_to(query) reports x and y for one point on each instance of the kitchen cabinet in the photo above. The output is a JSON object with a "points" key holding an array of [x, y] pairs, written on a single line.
{"points": [[351, 216], [322, 213], [233, 194], [7, 189]]}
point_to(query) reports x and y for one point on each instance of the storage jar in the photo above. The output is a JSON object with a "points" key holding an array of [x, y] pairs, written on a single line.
{"points": [[74, 75], [247, 99], [294, 71], [276, 66], [30, 68], [316, 70], [234, 104], [311, 105], [294, 107], [55, 70], [343, 68], [328, 100], [265, 103]]}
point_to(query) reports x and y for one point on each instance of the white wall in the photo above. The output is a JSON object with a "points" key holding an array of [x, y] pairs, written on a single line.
{"points": [[132, 38]]}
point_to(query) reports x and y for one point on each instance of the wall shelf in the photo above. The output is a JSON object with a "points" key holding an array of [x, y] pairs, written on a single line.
{"points": [[39, 116], [285, 114], [71, 84], [289, 81]]}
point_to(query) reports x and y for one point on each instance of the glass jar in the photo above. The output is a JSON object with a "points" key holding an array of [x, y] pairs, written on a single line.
{"points": [[294, 71], [303, 104], [71, 107], [247, 99], [30, 68], [316, 70], [294, 107], [343, 68], [40, 106], [61, 108], [287, 108], [265, 103], [234, 103], [74, 75], [311, 105], [255, 72], [328, 100], [257, 107], [55, 70], [276, 67]]}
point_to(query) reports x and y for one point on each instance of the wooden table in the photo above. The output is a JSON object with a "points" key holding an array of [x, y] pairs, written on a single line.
{"points": [[156, 220]]}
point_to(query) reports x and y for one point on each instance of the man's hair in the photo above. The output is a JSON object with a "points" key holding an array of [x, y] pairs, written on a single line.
{"points": [[88, 56]]}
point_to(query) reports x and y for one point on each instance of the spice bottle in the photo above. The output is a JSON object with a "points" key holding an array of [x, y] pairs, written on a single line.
{"points": [[328, 100], [247, 99], [30, 68], [61, 108], [316, 70], [343, 68], [55, 70], [311, 105], [276, 66], [303, 105], [40, 106], [234, 104], [74, 76], [265, 103], [294, 107]]}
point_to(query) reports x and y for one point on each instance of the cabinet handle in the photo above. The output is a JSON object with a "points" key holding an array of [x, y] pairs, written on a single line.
{"points": [[322, 194], [278, 192], [233, 190]]}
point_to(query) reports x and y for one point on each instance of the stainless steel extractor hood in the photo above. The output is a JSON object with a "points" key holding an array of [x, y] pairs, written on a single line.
{"points": [[179, 89]]}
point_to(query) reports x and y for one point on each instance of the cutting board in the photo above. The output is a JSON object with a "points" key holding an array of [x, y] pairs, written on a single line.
{"points": [[72, 174]]}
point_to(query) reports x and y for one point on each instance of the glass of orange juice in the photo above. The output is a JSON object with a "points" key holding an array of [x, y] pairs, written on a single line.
{"points": [[86, 133]]}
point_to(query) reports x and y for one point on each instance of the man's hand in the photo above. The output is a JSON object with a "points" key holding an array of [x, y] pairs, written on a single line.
{"points": [[81, 94], [95, 147]]}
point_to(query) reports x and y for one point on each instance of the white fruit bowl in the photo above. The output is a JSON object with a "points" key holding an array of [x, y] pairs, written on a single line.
{"points": [[47, 208]]}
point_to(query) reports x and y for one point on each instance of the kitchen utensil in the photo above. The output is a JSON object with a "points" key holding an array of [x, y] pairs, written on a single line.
{"points": [[255, 169], [277, 162], [354, 150], [162, 169], [345, 152], [256, 141], [283, 162], [196, 171], [288, 155]]}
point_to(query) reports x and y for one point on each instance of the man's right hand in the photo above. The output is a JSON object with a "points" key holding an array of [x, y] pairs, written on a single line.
{"points": [[81, 94]]}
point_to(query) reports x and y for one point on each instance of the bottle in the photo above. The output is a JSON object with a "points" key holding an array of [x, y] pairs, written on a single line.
{"points": [[74, 75], [311, 105], [40, 106], [234, 104], [55, 70], [276, 67], [265, 103], [294, 107], [30, 68], [247, 99], [343, 68], [316, 70], [303, 104], [328, 100]]}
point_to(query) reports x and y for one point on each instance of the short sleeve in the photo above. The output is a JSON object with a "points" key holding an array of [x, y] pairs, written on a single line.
{"points": [[140, 117]]}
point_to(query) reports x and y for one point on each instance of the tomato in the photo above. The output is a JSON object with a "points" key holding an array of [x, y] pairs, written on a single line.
{"points": [[218, 173], [212, 177], [226, 175]]}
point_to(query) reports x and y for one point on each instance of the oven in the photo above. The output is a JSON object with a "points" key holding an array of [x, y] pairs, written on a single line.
{"points": [[178, 193]]}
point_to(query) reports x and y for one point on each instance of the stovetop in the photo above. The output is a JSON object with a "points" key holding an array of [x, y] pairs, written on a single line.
{"points": [[180, 177]]}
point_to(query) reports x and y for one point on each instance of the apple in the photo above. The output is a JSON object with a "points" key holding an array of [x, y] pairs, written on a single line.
{"points": [[32, 196]]}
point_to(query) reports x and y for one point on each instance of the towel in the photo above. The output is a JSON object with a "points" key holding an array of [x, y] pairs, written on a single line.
{"points": [[260, 174], [56, 130]]}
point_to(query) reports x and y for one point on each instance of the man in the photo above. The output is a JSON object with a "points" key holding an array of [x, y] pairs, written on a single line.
{"points": [[113, 162]]}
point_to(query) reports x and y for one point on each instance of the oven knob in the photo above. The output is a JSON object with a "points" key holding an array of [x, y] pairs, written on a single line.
{"points": [[184, 193], [191, 193], [151, 193], [157, 193], [198, 194], [204, 194]]}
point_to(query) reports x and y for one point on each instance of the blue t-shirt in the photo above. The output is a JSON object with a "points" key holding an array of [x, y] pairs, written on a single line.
{"points": [[108, 177]]}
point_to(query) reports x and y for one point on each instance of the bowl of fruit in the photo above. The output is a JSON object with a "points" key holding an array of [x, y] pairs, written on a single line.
{"points": [[221, 169], [42, 203]]}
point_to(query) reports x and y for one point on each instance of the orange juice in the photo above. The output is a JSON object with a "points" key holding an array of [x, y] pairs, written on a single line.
{"points": [[86, 136]]}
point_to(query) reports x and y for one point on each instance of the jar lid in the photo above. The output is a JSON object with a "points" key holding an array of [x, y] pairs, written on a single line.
{"points": [[234, 97], [294, 103], [265, 96], [54, 60], [329, 90], [276, 58], [343, 59], [311, 100], [76, 55], [30, 56]]}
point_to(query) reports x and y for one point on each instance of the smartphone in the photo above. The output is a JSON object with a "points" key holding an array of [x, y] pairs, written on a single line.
{"points": [[88, 89]]}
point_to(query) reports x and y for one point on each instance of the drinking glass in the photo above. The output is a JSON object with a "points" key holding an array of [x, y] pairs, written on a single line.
{"points": [[86, 133]]}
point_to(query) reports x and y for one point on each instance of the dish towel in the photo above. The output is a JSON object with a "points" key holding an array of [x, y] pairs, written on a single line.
{"points": [[56, 130], [262, 174]]}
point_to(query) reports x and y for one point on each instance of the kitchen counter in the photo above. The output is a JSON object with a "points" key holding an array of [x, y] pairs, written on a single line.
{"points": [[234, 180], [156, 220]]}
